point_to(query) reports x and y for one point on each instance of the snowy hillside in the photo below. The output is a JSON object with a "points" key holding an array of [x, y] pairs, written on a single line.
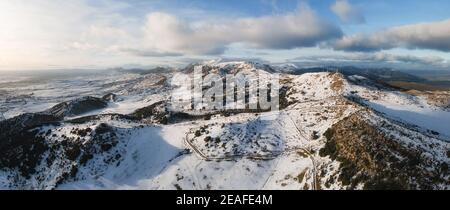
{"points": [[331, 132]]}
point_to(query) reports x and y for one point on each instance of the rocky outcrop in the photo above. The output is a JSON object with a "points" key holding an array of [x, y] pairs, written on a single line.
{"points": [[155, 113], [436, 98], [370, 158], [111, 97], [38, 155], [78, 106], [19, 145], [28, 140]]}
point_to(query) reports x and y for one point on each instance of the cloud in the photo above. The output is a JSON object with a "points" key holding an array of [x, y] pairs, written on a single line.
{"points": [[303, 28], [379, 58], [348, 13], [149, 53], [47, 33], [433, 35], [105, 33]]}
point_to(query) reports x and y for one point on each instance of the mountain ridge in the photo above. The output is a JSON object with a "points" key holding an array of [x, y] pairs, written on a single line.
{"points": [[335, 131]]}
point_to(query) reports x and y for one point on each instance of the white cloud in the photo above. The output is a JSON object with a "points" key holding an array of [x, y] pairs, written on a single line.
{"points": [[48, 33], [347, 12], [76, 33], [433, 35], [165, 32]]}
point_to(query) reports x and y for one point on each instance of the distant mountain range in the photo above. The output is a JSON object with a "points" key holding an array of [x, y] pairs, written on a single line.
{"points": [[407, 79]]}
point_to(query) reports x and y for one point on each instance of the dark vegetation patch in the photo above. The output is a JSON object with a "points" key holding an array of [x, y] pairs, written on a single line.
{"points": [[25, 144], [20, 147], [83, 120], [110, 97], [81, 132], [370, 158], [156, 113], [78, 151], [77, 106]]}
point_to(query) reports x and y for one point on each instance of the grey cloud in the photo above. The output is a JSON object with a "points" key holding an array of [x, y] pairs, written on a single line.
{"points": [[377, 58], [434, 35], [167, 33]]}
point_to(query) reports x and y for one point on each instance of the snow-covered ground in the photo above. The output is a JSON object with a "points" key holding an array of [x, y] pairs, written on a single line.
{"points": [[148, 151], [423, 116], [273, 150], [35, 94], [254, 151], [155, 158], [407, 108]]}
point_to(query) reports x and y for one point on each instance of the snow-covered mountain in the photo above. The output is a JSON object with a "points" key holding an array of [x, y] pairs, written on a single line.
{"points": [[117, 132]]}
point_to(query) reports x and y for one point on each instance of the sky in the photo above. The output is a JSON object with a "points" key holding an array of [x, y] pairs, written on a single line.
{"points": [[65, 34]]}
